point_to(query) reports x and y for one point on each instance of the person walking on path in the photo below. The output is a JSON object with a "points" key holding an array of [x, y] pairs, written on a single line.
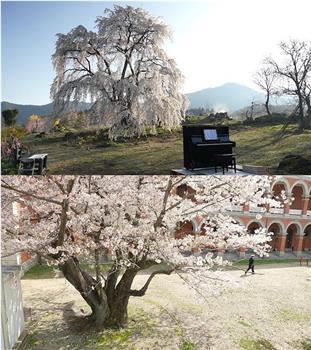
{"points": [[251, 264]]}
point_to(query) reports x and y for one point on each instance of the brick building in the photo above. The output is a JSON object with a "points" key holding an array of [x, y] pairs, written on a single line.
{"points": [[291, 225]]}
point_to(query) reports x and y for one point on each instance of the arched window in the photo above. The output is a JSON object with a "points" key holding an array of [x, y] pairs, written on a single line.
{"points": [[309, 204], [184, 228], [278, 188], [307, 231], [276, 228], [277, 193], [253, 226], [291, 231], [297, 193]]}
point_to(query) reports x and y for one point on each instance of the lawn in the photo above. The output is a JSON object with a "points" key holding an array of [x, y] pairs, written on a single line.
{"points": [[270, 310], [256, 145]]}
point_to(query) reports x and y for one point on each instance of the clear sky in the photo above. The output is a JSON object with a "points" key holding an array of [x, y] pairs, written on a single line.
{"points": [[214, 41]]}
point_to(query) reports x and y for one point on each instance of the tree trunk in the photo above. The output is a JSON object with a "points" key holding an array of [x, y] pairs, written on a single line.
{"points": [[118, 299], [301, 113], [308, 115], [118, 316], [267, 104], [89, 289], [109, 304]]}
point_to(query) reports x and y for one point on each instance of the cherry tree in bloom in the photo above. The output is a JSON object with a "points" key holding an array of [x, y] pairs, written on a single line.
{"points": [[134, 220], [123, 69]]}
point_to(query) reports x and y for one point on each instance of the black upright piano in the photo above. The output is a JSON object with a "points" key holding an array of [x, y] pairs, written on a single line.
{"points": [[204, 145]]}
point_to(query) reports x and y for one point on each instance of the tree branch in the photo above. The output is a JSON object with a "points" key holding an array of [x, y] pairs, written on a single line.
{"points": [[25, 193], [141, 292]]}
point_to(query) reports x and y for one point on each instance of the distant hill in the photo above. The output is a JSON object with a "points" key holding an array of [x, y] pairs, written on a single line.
{"points": [[228, 97], [259, 110], [24, 111]]}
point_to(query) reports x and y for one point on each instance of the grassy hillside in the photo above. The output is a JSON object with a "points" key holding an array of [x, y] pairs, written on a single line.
{"points": [[256, 145], [262, 145]]}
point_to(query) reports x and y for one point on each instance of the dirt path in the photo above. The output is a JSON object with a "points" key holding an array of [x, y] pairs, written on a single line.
{"points": [[270, 310]]}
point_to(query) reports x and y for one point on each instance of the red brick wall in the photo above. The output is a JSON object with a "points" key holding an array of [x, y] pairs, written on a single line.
{"points": [[24, 256]]}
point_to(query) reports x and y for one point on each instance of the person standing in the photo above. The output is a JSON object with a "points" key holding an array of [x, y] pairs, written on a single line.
{"points": [[251, 264]]}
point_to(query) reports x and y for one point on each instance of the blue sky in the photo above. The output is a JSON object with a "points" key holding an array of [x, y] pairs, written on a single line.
{"points": [[214, 41]]}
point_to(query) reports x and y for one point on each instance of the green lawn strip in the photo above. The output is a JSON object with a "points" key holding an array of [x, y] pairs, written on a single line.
{"points": [[44, 271], [255, 145], [258, 261], [41, 271]]}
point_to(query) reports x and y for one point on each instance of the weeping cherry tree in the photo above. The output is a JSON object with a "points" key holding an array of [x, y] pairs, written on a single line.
{"points": [[122, 67]]}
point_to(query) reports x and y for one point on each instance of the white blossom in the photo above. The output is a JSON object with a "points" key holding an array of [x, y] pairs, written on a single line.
{"points": [[130, 217], [123, 69]]}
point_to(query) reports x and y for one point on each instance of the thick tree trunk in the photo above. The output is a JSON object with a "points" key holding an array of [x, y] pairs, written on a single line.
{"points": [[118, 299], [109, 304], [118, 316], [89, 289]]}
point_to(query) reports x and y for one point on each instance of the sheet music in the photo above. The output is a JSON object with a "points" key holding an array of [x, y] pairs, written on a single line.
{"points": [[210, 134]]}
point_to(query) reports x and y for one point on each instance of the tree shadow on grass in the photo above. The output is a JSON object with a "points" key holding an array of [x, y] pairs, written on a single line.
{"points": [[76, 322]]}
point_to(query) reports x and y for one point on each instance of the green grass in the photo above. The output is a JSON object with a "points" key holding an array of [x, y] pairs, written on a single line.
{"points": [[255, 344], [262, 145], [256, 145], [187, 345], [41, 271], [140, 326], [306, 344], [31, 340], [293, 315], [44, 271], [267, 261]]}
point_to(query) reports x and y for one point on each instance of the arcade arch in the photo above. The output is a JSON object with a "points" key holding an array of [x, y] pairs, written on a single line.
{"points": [[298, 192], [293, 230], [307, 238], [253, 226]]}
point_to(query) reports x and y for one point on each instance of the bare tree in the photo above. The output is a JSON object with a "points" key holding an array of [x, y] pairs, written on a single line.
{"points": [[265, 79], [294, 74]]}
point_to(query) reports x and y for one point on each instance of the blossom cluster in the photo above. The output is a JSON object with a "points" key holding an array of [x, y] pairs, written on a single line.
{"points": [[131, 218]]}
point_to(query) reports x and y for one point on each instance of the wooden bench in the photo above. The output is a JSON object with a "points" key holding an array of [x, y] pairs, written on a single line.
{"points": [[33, 165], [225, 161]]}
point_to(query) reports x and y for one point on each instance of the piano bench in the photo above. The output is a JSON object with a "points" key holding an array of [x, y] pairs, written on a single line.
{"points": [[225, 160]]}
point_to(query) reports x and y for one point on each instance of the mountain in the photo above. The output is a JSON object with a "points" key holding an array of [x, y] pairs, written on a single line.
{"points": [[228, 97], [24, 111]]}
